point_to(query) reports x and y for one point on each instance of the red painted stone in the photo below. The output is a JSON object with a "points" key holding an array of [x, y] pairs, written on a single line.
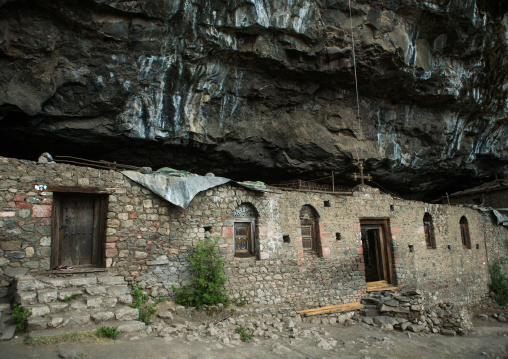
{"points": [[325, 235], [325, 252], [111, 239], [41, 210], [110, 245], [227, 231], [11, 205], [361, 266], [21, 223], [300, 254], [396, 230], [47, 201], [133, 215], [45, 221], [359, 250], [7, 214], [23, 205], [357, 227], [18, 198]]}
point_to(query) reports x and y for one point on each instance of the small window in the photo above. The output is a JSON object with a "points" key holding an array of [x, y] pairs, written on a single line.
{"points": [[337, 236], [309, 226], [327, 204], [464, 233], [392, 208], [428, 228], [286, 238], [245, 234], [207, 228]]}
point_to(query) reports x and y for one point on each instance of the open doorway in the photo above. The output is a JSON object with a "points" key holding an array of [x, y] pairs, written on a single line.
{"points": [[376, 250]]}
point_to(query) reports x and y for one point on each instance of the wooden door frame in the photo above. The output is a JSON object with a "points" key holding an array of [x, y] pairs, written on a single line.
{"points": [[100, 217], [387, 255]]}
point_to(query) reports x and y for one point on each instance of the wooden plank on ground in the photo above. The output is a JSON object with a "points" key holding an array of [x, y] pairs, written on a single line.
{"points": [[379, 286], [332, 309]]}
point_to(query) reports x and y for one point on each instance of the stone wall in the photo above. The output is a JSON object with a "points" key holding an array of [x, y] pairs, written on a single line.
{"points": [[147, 239]]}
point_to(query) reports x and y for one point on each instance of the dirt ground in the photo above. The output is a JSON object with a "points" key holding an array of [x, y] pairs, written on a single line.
{"points": [[354, 340]]}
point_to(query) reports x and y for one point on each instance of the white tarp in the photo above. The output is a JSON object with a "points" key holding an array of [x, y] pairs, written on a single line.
{"points": [[178, 190], [502, 218]]}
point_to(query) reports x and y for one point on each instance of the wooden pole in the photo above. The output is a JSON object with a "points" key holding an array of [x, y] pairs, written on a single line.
{"points": [[333, 182]]}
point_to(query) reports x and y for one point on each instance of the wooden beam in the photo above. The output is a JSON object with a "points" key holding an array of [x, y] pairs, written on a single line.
{"points": [[332, 309], [77, 189], [380, 286]]}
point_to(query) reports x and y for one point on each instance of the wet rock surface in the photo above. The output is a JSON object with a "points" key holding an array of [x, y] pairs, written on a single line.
{"points": [[244, 86]]}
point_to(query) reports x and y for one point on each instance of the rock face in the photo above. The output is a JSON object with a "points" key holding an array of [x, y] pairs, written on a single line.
{"points": [[235, 87]]}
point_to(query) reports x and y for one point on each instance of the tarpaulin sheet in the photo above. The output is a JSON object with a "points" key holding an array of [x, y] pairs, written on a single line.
{"points": [[180, 187], [178, 190], [502, 218]]}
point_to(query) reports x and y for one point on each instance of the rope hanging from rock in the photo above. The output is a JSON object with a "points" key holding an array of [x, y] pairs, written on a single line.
{"points": [[354, 66], [356, 80]]}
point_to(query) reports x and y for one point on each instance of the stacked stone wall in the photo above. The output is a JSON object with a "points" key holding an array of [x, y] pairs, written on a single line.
{"points": [[147, 238]]}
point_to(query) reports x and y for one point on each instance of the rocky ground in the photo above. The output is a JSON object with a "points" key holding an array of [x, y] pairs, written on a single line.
{"points": [[183, 333]]}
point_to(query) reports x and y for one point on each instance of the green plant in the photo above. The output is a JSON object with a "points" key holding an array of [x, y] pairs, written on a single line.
{"points": [[81, 356], [21, 314], [138, 296], [109, 332], [139, 301], [241, 301], [244, 333], [68, 298], [499, 283], [207, 277]]}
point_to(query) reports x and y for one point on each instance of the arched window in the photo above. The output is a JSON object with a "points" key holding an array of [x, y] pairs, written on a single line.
{"points": [[428, 228], [464, 233], [309, 221], [245, 233]]}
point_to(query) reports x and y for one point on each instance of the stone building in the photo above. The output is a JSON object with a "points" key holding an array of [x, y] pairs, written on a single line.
{"points": [[490, 194], [305, 249]]}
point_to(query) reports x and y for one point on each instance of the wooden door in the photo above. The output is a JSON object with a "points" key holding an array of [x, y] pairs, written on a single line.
{"points": [[78, 219], [307, 236], [242, 237]]}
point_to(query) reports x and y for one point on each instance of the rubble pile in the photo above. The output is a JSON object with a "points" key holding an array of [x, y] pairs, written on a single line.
{"points": [[406, 311]]}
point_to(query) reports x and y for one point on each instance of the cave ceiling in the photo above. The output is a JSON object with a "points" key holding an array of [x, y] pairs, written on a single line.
{"points": [[263, 89]]}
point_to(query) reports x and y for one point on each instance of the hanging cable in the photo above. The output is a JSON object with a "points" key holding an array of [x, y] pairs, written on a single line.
{"points": [[354, 67]]}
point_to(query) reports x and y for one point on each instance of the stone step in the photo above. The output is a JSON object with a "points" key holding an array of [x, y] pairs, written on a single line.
{"points": [[69, 280], [369, 312], [8, 332], [132, 326], [43, 318], [5, 308], [120, 293]]}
